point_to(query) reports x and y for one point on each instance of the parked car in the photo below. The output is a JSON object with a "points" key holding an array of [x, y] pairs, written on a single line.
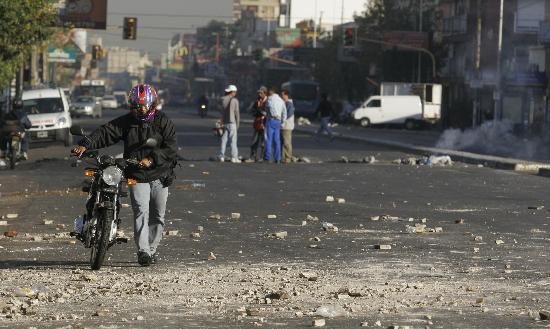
{"points": [[48, 111], [109, 102], [86, 106], [121, 98]]}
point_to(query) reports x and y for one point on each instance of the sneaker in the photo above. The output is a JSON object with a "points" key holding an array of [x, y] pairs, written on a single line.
{"points": [[235, 160], [144, 259], [2, 163], [222, 159], [24, 156]]}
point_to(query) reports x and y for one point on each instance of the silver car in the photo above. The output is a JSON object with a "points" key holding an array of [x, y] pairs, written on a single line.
{"points": [[86, 106]]}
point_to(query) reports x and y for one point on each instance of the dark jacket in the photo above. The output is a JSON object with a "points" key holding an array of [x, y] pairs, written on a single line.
{"points": [[325, 108], [14, 121], [134, 133]]}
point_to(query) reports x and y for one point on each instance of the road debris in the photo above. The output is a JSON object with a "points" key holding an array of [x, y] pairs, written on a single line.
{"points": [[499, 242], [235, 215], [310, 276], [369, 159], [329, 227], [331, 311], [211, 256], [271, 216], [47, 222], [318, 323], [329, 198], [172, 233], [279, 235], [382, 246], [10, 234], [12, 216], [341, 200]]}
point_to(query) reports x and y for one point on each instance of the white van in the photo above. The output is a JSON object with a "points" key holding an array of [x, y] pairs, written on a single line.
{"points": [[48, 111], [405, 110]]}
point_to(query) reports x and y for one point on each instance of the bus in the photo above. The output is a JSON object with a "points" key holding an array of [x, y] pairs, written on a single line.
{"points": [[94, 88], [304, 94]]}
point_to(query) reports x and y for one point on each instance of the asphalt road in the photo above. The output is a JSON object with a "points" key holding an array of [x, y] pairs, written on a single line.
{"points": [[446, 279]]}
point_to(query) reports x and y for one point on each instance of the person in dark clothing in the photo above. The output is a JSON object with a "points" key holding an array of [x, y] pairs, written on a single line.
{"points": [[258, 137], [155, 171], [326, 112], [14, 121]]}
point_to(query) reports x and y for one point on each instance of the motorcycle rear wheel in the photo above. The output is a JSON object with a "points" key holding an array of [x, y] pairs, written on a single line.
{"points": [[101, 242], [13, 158]]}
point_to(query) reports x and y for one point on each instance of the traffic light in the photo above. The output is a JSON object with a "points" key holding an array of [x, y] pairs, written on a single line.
{"points": [[129, 30], [349, 36]]}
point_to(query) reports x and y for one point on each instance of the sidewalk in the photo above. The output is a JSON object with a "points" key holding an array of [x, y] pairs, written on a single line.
{"points": [[423, 142]]}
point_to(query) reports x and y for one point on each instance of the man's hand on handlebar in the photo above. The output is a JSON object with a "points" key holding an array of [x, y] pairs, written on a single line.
{"points": [[145, 163], [78, 150]]}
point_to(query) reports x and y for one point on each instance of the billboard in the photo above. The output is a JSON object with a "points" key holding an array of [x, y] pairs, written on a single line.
{"points": [[86, 14], [62, 55], [289, 38], [406, 38]]}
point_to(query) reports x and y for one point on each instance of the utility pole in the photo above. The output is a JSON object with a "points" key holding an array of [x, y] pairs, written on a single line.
{"points": [[498, 82], [315, 27], [477, 63], [420, 30]]}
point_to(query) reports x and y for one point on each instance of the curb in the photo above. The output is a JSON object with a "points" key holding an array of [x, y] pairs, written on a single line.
{"points": [[466, 157]]}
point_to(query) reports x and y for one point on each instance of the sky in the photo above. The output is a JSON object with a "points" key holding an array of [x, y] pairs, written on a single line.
{"points": [[159, 20]]}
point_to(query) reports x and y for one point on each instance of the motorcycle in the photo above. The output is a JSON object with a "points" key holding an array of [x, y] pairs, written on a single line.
{"points": [[97, 228], [203, 110], [14, 153]]}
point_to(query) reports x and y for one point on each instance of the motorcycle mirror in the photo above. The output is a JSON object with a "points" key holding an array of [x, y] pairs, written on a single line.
{"points": [[17, 104], [77, 130], [151, 142]]}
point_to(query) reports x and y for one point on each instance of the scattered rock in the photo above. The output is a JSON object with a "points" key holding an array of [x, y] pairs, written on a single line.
{"points": [[281, 294], [102, 312], [211, 256], [305, 160], [341, 200], [280, 235], [47, 222], [329, 227], [140, 318], [252, 311], [10, 234], [499, 241], [215, 217], [235, 215], [304, 223], [344, 159], [329, 198], [195, 235], [459, 221], [318, 323], [536, 207], [12, 216], [544, 315], [200, 228], [310, 276], [375, 218], [3, 222], [369, 159], [382, 246], [172, 233], [478, 238], [271, 216]]}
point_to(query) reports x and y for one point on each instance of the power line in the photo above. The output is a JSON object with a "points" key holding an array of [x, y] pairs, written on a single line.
{"points": [[207, 16]]}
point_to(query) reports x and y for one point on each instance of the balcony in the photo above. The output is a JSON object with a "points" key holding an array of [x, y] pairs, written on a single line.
{"points": [[455, 25], [526, 25]]}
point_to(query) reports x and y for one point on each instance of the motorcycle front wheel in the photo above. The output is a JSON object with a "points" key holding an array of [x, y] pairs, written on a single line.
{"points": [[101, 242], [13, 155]]}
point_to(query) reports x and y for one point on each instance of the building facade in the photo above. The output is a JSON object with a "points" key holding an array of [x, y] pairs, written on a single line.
{"points": [[477, 87]]}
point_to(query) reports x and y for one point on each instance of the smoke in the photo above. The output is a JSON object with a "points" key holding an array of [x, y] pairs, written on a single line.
{"points": [[495, 138]]}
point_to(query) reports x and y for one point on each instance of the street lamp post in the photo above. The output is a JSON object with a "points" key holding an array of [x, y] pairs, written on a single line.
{"points": [[429, 53]]}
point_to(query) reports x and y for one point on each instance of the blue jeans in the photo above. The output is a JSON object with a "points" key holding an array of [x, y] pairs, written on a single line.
{"points": [[230, 133], [149, 206], [272, 136]]}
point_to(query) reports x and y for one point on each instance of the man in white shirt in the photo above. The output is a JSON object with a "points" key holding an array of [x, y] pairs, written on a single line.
{"points": [[276, 114]]}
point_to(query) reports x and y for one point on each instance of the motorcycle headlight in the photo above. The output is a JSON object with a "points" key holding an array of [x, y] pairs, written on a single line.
{"points": [[203, 106], [112, 175]]}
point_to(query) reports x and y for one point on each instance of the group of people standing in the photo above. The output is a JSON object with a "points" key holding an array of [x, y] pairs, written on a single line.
{"points": [[273, 125]]}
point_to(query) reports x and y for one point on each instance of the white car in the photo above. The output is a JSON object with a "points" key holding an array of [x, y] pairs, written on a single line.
{"points": [[109, 102], [48, 111]]}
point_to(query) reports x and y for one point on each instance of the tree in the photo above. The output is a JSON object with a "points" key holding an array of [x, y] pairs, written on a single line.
{"points": [[24, 24], [394, 15]]}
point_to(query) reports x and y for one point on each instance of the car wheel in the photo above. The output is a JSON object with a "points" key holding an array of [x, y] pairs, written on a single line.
{"points": [[365, 122], [68, 138]]}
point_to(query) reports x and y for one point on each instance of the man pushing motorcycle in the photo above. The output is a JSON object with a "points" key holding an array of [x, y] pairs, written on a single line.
{"points": [[155, 170]]}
